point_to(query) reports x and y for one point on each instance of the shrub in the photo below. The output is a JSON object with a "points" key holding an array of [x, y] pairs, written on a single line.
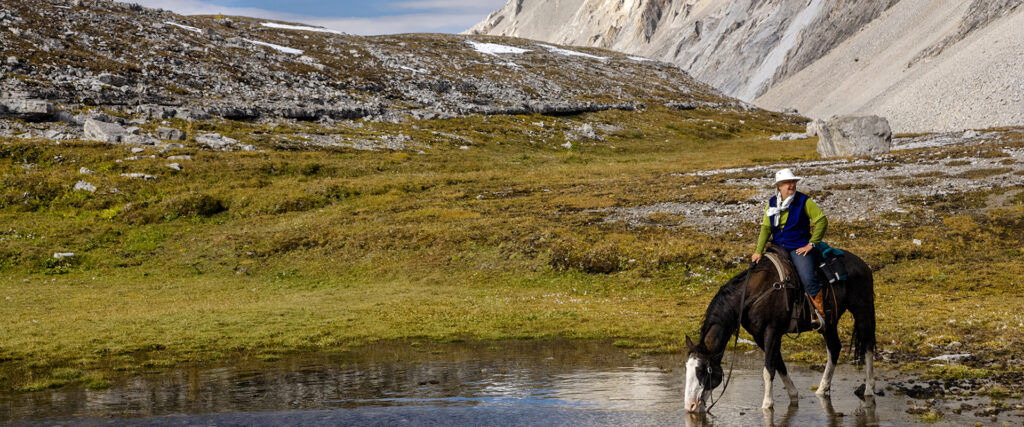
{"points": [[194, 205], [602, 259]]}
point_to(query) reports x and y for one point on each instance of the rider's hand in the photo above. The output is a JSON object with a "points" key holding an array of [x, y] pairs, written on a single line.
{"points": [[804, 250], [755, 258]]}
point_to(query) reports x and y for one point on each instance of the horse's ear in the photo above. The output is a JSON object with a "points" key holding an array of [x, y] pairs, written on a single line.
{"points": [[689, 344]]}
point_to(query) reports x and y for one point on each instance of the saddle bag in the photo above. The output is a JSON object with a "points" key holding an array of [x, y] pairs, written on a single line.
{"points": [[833, 265]]}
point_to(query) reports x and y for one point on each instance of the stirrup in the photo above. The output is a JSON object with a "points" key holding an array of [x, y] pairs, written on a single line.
{"points": [[821, 320]]}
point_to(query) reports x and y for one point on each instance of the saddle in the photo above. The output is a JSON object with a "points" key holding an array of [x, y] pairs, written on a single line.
{"points": [[799, 308]]}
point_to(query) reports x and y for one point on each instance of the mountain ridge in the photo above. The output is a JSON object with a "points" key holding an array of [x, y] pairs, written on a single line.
{"points": [[84, 53], [746, 48]]}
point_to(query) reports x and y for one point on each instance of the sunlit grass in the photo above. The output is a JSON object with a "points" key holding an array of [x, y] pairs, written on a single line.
{"points": [[257, 254]]}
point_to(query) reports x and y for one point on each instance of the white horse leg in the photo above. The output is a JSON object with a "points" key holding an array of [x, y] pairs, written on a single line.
{"points": [[826, 378], [768, 403], [794, 395], [869, 380]]}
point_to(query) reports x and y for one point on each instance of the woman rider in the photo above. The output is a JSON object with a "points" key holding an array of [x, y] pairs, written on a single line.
{"points": [[795, 223]]}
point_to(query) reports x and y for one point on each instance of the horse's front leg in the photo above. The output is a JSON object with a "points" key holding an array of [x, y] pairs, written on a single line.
{"points": [[833, 346], [772, 359]]}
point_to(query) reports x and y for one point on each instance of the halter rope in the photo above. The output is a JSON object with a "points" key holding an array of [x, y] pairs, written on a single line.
{"points": [[739, 326]]}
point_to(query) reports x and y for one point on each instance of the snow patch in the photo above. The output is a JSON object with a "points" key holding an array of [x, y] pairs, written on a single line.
{"points": [[494, 49], [300, 28], [184, 27], [276, 47], [567, 52]]}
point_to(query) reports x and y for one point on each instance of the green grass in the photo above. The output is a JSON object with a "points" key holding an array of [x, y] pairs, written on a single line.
{"points": [[252, 255]]}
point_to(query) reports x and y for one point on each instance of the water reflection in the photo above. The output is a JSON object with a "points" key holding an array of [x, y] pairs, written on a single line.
{"points": [[524, 383]]}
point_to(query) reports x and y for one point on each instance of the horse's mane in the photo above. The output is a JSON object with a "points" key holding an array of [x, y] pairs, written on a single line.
{"points": [[721, 310]]}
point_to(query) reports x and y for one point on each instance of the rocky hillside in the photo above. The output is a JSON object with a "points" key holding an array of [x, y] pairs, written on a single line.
{"points": [[745, 48], [64, 57]]}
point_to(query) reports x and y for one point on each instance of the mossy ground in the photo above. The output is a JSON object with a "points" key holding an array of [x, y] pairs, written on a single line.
{"points": [[258, 254]]}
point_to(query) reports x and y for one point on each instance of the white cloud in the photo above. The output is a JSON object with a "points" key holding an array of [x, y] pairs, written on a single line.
{"points": [[445, 16]]}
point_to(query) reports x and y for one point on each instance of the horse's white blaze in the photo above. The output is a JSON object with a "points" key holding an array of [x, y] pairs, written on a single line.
{"points": [[790, 388], [869, 380], [768, 402], [692, 387], [826, 378]]}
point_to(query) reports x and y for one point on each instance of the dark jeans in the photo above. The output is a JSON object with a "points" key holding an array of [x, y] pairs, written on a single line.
{"points": [[805, 267]]}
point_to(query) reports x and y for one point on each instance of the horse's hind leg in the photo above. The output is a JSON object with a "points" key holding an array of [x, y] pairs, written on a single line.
{"points": [[869, 371], [833, 346], [780, 367]]}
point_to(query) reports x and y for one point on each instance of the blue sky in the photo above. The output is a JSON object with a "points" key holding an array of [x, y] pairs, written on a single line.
{"points": [[351, 16]]}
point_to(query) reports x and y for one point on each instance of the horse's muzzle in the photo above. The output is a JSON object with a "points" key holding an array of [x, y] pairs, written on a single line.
{"points": [[695, 406]]}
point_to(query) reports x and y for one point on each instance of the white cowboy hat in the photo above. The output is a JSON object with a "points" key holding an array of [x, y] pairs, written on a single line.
{"points": [[785, 175]]}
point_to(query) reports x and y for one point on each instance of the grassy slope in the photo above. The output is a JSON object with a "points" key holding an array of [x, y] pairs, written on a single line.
{"points": [[321, 250]]}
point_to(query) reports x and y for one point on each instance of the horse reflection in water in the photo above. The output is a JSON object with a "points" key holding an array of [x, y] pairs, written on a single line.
{"points": [[753, 300], [864, 415]]}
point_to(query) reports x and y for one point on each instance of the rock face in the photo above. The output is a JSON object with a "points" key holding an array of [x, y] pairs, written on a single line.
{"points": [[948, 69], [822, 57], [739, 46], [850, 136]]}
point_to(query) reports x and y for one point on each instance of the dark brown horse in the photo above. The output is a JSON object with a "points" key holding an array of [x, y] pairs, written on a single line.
{"points": [[766, 316]]}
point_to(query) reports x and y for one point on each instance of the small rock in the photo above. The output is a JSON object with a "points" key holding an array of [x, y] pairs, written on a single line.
{"points": [[140, 140], [568, 145], [216, 141], [84, 186], [85, 171], [970, 133], [137, 150], [180, 157], [138, 176], [170, 134], [62, 255], [917, 242], [174, 166], [788, 136]]}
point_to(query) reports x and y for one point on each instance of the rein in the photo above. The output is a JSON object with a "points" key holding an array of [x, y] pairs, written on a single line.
{"points": [[739, 326]]}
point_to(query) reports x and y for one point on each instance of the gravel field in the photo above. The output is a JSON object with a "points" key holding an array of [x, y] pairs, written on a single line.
{"points": [[852, 189]]}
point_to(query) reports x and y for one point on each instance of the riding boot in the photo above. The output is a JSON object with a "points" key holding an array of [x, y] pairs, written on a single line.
{"points": [[818, 319]]}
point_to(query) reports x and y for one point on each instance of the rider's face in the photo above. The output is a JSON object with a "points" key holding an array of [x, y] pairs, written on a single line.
{"points": [[787, 188]]}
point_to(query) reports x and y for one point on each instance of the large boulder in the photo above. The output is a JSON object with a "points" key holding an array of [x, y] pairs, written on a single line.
{"points": [[96, 130], [851, 136]]}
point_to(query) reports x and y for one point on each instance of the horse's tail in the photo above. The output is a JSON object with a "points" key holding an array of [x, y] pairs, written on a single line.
{"points": [[861, 297]]}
